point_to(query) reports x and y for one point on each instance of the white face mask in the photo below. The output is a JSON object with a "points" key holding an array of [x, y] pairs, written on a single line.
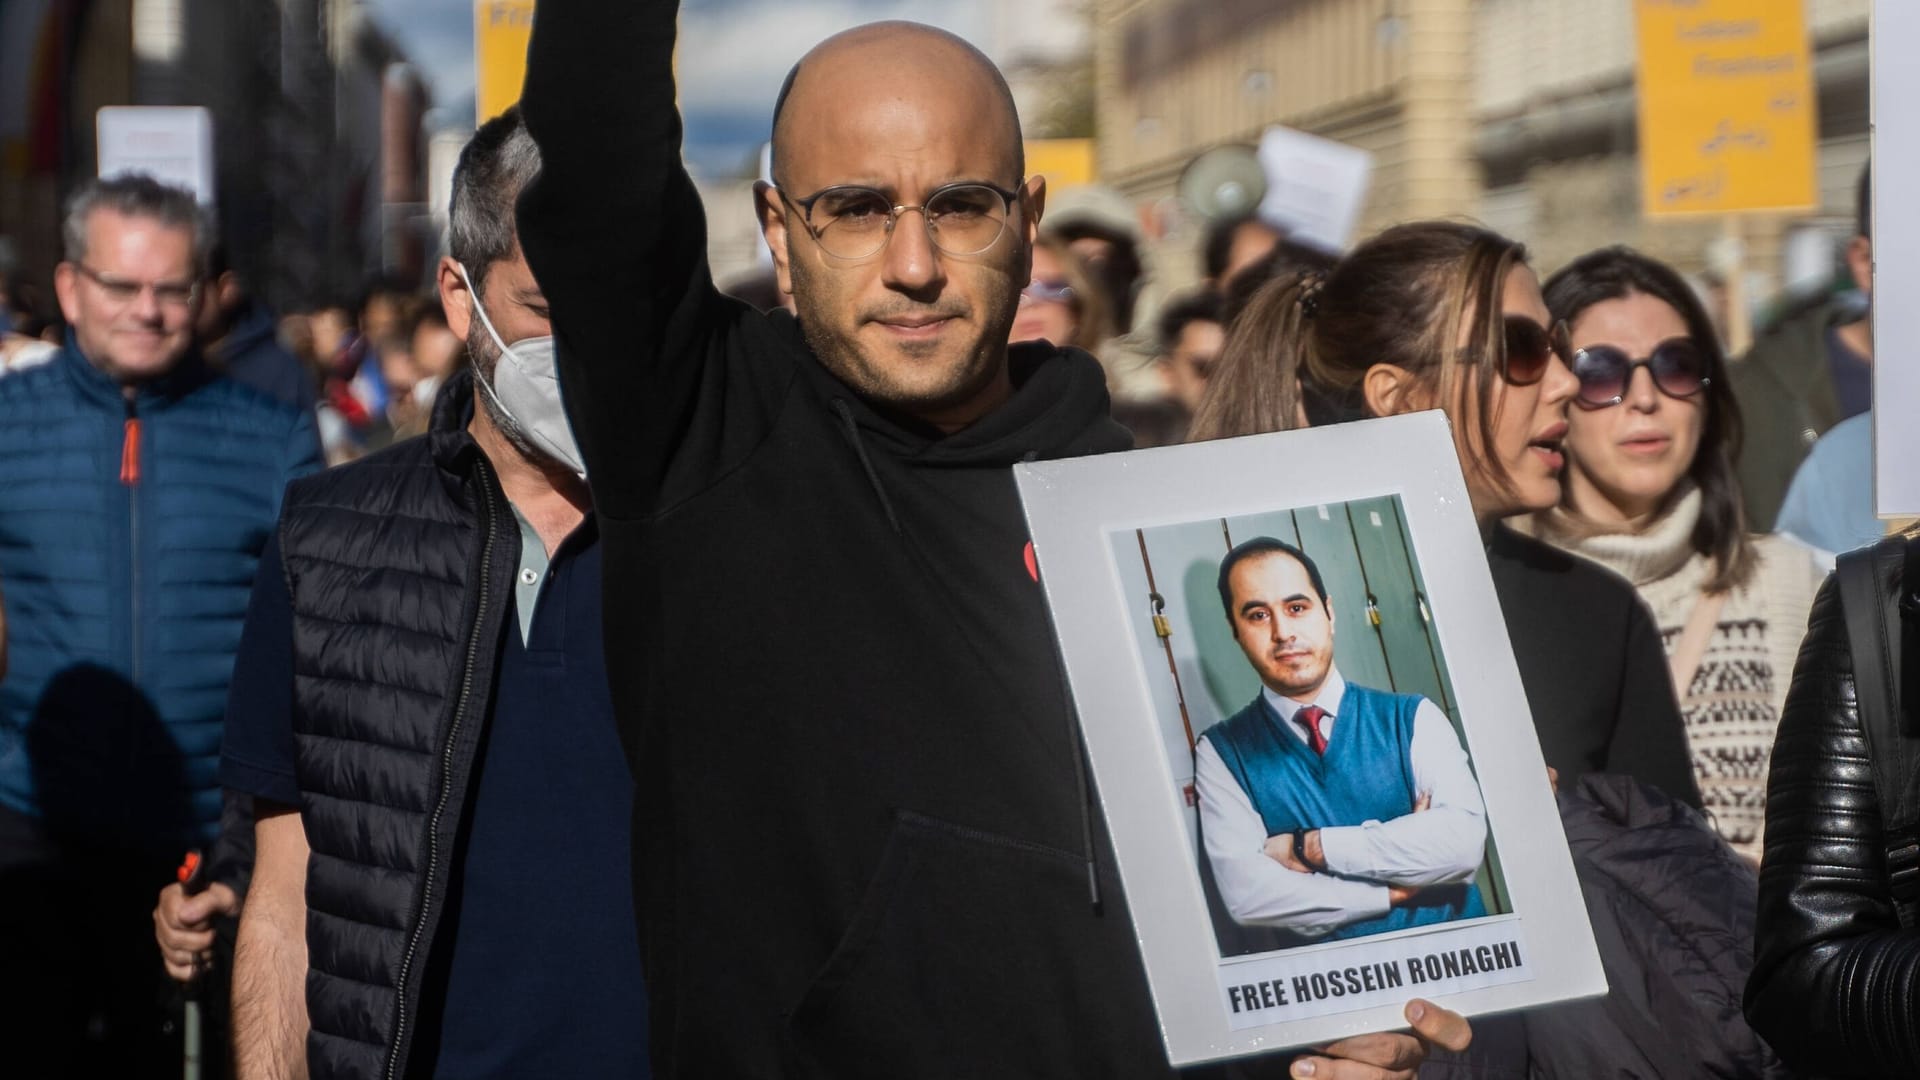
{"points": [[526, 389]]}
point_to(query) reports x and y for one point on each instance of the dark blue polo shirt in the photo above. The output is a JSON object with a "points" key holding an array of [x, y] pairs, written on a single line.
{"points": [[536, 969]]}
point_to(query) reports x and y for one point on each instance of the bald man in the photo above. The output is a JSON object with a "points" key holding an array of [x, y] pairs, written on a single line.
{"points": [[864, 840]]}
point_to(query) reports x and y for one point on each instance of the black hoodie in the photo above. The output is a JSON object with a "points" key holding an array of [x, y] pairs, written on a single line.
{"points": [[863, 843]]}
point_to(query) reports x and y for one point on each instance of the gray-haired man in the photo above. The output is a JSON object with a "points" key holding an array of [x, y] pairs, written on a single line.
{"points": [[422, 717], [136, 489]]}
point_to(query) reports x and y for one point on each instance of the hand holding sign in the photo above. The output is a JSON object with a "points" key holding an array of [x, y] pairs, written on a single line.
{"points": [[1393, 1055]]}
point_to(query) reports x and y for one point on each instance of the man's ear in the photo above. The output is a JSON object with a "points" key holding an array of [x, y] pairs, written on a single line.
{"points": [[1390, 390], [1034, 195], [455, 299], [1033, 204], [771, 210], [65, 289]]}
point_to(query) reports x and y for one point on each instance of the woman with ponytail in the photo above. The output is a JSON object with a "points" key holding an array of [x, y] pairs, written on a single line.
{"points": [[1440, 315]]}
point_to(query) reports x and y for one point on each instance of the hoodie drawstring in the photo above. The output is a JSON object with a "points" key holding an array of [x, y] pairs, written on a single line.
{"points": [[860, 451], [1080, 779]]}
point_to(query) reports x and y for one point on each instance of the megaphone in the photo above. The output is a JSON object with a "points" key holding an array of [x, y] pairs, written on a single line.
{"points": [[1225, 182]]}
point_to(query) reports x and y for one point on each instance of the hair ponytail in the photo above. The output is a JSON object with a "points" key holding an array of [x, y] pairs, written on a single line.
{"points": [[1255, 385], [1409, 297]]}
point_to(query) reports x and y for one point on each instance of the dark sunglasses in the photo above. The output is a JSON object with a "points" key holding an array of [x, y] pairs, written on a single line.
{"points": [[1047, 292], [1530, 347], [1679, 368]]}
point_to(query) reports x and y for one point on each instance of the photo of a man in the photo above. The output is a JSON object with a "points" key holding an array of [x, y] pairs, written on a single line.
{"points": [[1329, 810]]}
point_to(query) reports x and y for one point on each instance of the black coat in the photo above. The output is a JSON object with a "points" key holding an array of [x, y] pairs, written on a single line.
{"points": [[1672, 912], [251, 353], [1836, 981], [1590, 658]]}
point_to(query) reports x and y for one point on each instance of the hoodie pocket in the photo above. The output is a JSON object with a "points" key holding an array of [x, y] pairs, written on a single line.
{"points": [[972, 955]]}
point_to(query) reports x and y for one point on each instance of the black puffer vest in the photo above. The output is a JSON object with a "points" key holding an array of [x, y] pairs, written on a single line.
{"points": [[400, 570]]}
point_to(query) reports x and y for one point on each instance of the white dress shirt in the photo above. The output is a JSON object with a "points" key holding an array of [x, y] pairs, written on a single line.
{"points": [[1440, 845]]}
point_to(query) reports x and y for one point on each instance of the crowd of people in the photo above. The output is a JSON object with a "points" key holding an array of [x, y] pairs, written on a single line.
{"points": [[569, 669]]}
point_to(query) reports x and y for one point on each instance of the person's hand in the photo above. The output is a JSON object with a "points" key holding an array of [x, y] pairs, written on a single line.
{"points": [[1393, 1055], [1280, 850], [183, 925], [1553, 779], [1399, 895], [1424, 802]]}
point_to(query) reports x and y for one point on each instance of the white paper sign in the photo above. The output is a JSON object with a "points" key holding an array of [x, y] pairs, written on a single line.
{"points": [[1896, 250], [1315, 186], [171, 144]]}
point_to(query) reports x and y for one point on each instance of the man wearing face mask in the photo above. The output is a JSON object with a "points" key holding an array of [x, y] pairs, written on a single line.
{"points": [[422, 716]]}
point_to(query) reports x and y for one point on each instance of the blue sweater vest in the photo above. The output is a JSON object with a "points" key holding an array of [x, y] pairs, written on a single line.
{"points": [[1365, 775]]}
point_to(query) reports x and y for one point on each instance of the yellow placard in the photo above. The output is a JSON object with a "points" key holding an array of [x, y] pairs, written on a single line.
{"points": [[501, 31], [1064, 162], [1727, 117]]}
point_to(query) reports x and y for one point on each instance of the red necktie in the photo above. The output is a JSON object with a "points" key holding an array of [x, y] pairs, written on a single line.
{"points": [[1309, 717]]}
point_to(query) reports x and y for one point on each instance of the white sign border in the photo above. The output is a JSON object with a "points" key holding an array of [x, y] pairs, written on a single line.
{"points": [[1895, 154], [188, 129], [1074, 506]]}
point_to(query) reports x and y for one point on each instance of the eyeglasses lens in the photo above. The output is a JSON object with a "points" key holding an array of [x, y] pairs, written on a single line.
{"points": [[1530, 347], [966, 220], [1040, 291], [1679, 369]]}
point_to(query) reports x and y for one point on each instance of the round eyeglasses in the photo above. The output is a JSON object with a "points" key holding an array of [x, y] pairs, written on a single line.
{"points": [[120, 291], [1678, 366], [855, 222]]}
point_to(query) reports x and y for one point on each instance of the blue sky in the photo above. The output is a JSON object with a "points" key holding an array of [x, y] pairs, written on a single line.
{"points": [[728, 99]]}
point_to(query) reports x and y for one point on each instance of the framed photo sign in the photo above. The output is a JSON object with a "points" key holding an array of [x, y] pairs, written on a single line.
{"points": [[1310, 739]]}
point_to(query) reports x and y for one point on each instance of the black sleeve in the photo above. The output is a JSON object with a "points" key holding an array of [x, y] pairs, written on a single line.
{"points": [[257, 754], [1834, 978], [1649, 735], [616, 235], [232, 859]]}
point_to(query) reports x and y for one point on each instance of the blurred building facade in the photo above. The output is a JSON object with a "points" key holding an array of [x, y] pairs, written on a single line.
{"points": [[1555, 135], [316, 127], [1045, 49], [1392, 77], [1519, 113]]}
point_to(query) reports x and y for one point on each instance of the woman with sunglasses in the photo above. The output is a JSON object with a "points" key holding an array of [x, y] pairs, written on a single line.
{"points": [[1650, 492], [1448, 316]]}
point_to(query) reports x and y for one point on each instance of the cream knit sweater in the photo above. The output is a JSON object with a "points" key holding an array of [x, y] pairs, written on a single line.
{"points": [[1733, 704]]}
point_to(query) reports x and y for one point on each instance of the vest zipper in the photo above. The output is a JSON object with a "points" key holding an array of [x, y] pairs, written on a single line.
{"points": [[130, 479], [489, 514]]}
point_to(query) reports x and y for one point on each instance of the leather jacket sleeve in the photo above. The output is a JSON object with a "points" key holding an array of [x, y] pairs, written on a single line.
{"points": [[1834, 981]]}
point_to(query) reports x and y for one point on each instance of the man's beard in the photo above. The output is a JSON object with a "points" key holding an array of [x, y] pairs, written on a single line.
{"points": [[838, 348], [486, 361]]}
